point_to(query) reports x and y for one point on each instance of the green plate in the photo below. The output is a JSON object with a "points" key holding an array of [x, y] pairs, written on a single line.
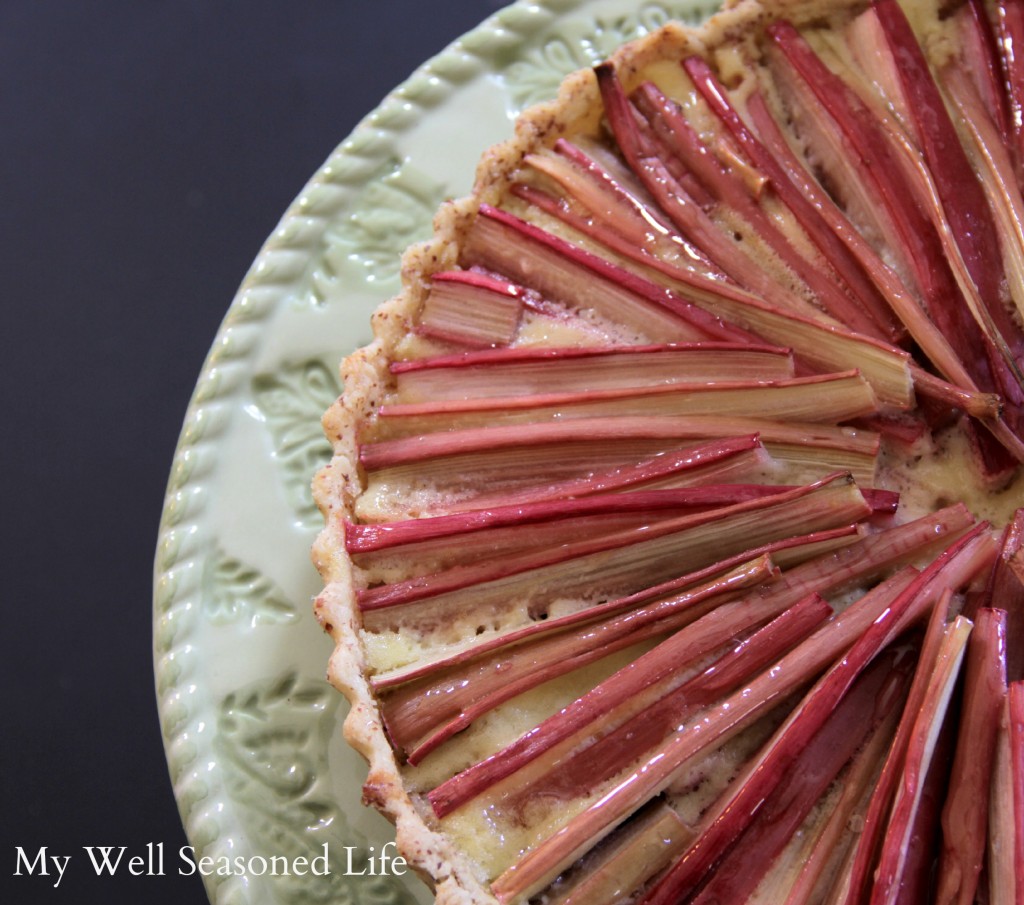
{"points": [[252, 731]]}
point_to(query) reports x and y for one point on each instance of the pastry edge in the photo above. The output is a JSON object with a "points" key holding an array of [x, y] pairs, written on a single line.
{"points": [[455, 878]]}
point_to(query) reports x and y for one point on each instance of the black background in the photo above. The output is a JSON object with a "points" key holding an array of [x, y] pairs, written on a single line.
{"points": [[147, 149]]}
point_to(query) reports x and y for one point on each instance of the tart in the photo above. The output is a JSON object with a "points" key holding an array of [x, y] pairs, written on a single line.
{"points": [[672, 545]]}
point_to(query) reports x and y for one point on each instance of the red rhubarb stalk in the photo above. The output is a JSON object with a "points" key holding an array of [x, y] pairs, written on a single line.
{"points": [[897, 180], [598, 230], [829, 398], [683, 139], [886, 611], [830, 572], [965, 814], [516, 371], [366, 538], [807, 209], [857, 878], [994, 164], [804, 548], [732, 816], [654, 171], [814, 764], [578, 773], [460, 696], [573, 276], [904, 305], [828, 503], [708, 728], [961, 195], [722, 311], [828, 859], [897, 845], [404, 450], [601, 207]]}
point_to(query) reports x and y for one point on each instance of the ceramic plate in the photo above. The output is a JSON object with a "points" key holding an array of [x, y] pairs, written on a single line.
{"points": [[252, 731]]}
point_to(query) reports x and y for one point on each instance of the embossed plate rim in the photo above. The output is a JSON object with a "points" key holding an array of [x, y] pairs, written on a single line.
{"points": [[286, 268]]}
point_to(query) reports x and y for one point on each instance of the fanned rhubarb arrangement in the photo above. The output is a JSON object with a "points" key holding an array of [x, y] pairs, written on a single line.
{"points": [[674, 544]]}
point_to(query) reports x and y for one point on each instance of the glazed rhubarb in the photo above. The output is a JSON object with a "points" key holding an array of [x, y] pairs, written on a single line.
{"points": [[674, 539]]}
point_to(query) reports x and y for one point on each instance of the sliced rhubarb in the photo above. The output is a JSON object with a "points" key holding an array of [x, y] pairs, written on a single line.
{"points": [[721, 311], [962, 197], [1006, 824], [789, 553], [733, 816], [856, 882], [952, 253], [367, 538], [829, 573], [935, 346], [607, 564], [600, 206], [471, 309], [897, 845], [682, 139], [581, 280], [826, 860], [894, 611], [808, 212], [520, 372], [640, 850], [654, 171], [815, 763], [644, 725], [965, 814], [898, 196], [994, 166], [490, 442], [461, 695], [708, 728], [558, 466], [828, 398]]}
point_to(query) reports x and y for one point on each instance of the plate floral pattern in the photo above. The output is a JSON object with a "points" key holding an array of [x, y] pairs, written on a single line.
{"points": [[251, 728]]}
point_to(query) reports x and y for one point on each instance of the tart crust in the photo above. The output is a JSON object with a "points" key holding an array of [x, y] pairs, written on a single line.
{"points": [[456, 877]]}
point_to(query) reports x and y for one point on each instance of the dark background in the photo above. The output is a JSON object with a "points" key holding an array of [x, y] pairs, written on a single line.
{"points": [[147, 149]]}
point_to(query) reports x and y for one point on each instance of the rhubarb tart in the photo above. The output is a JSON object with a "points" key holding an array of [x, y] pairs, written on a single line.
{"points": [[672, 545]]}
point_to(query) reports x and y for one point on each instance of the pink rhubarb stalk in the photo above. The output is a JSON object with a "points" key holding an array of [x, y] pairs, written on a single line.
{"points": [[683, 139], [471, 309], [621, 556], [724, 312], [577, 278], [460, 696], [581, 771], [828, 398], [886, 612], [526, 371], [732, 816], [807, 209]]}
